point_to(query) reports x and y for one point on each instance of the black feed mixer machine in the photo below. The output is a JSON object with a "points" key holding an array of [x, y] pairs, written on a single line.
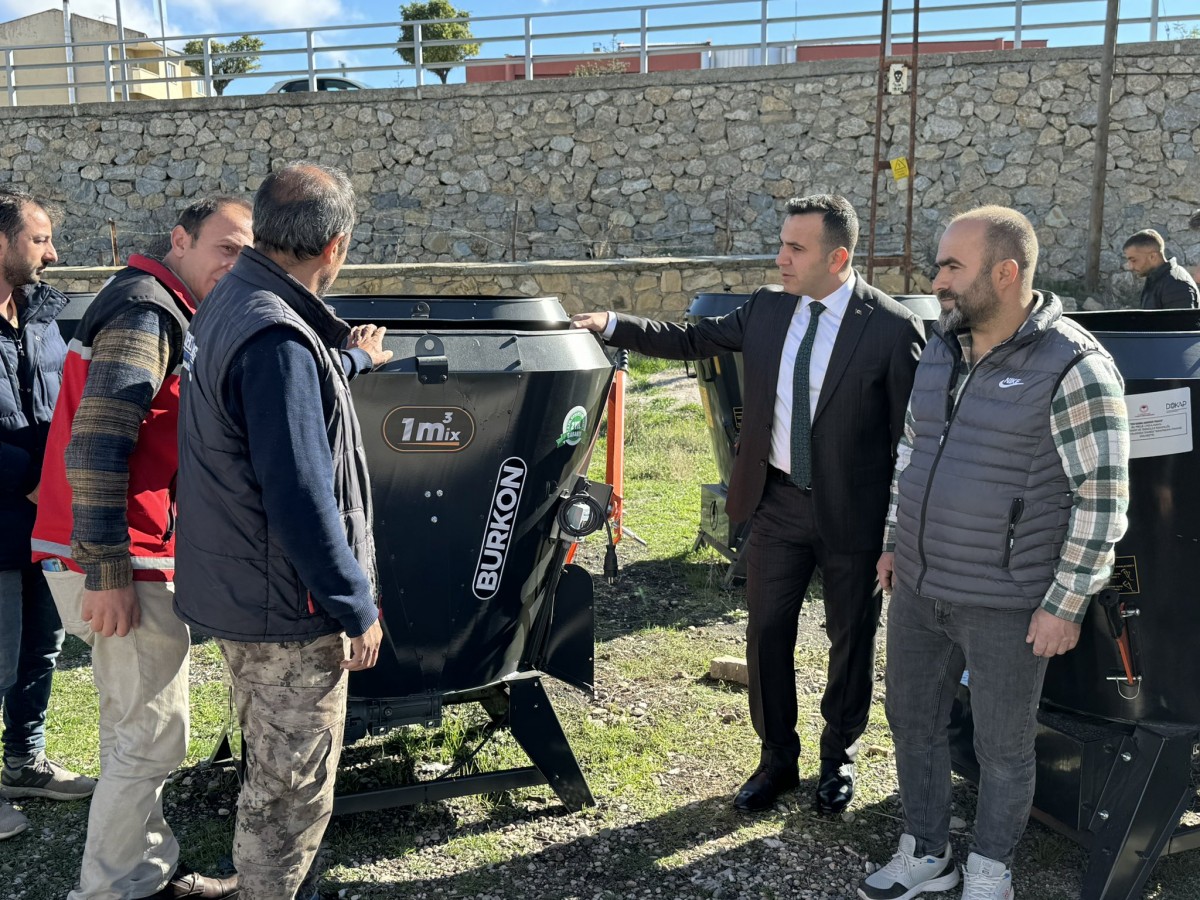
{"points": [[477, 435]]}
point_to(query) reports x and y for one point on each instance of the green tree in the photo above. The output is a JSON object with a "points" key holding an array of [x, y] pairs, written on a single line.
{"points": [[444, 31], [1180, 32], [222, 65]]}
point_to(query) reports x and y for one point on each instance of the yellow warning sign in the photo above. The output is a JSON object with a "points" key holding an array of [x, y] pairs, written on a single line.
{"points": [[900, 168]]}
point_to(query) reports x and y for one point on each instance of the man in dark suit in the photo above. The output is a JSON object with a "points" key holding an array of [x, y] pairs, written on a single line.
{"points": [[814, 474]]}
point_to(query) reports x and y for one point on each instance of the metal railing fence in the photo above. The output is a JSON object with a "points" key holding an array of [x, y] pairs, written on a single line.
{"points": [[755, 26]]}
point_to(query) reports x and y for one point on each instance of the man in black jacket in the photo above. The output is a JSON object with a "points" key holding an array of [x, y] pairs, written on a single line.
{"points": [[1168, 284], [31, 357], [274, 554], [828, 364]]}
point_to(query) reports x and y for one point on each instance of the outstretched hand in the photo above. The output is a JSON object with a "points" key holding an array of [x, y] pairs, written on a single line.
{"points": [[593, 321], [369, 338]]}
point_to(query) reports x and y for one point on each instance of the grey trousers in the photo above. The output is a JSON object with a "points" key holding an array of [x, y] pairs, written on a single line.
{"points": [[291, 701], [928, 645]]}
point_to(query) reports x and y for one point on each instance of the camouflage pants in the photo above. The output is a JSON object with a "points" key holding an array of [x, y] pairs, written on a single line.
{"points": [[291, 701]]}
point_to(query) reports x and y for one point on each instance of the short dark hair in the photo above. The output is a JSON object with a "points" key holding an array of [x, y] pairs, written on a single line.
{"points": [[300, 208], [839, 221], [13, 201], [193, 216], [1008, 235], [1148, 238]]}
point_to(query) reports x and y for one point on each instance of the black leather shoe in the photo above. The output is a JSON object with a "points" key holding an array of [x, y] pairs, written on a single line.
{"points": [[185, 883], [764, 787], [835, 787]]}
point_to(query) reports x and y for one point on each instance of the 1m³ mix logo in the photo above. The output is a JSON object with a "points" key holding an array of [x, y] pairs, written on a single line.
{"points": [[428, 429]]}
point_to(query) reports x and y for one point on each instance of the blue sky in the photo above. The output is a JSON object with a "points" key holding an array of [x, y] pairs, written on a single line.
{"points": [[695, 24]]}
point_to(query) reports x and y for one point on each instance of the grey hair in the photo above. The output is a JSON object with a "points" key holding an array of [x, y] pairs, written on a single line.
{"points": [[300, 208]]}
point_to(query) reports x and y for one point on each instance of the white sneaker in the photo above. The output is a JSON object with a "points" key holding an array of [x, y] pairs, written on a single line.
{"points": [[908, 875], [987, 879], [11, 820]]}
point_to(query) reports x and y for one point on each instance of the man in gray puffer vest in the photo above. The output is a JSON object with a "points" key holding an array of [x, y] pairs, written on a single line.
{"points": [[274, 553], [1010, 491]]}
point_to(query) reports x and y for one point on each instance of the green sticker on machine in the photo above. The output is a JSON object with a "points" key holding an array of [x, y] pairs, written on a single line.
{"points": [[573, 427]]}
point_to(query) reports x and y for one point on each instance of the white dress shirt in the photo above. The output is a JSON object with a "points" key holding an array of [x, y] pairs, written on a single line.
{"points": [[827, 329]]}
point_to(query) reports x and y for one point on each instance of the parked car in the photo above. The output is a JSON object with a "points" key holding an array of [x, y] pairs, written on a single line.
{"points": [[293, 85]]}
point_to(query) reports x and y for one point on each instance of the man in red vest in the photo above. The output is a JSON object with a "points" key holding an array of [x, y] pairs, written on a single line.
{"points": [[105, 538]]}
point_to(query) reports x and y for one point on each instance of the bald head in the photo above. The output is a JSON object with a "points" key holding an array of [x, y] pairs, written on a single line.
{"points": [[300, 208], [1006, 234]]}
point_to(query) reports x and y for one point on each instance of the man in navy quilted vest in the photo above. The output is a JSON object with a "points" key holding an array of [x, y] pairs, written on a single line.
{"points": [[31, 634], [1010, 491]]}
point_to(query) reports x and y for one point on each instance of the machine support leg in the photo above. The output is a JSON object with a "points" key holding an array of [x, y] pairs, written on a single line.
{"points": [[537, 730], [1147, 791]]}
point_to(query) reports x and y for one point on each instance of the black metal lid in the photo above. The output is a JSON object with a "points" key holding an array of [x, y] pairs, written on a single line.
{"points": [[420, 311], [716, 304]]}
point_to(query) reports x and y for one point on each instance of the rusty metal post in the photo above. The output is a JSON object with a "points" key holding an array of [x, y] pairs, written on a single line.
{"points": [[912, 148], [1100, 162], [884, 31], [112, 236]]}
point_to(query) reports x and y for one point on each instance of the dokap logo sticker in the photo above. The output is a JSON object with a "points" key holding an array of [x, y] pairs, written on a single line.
{"points": [[497, 536], [573, 427], [428, 429]]}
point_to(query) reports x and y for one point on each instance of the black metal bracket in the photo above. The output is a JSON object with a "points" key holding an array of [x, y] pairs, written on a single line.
{"points": [[537, 729], [1148, 789], [522, 701], [432, 365], [372, 716]]}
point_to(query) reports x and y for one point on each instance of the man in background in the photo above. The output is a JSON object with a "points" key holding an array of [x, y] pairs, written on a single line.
{"points": [[1168, 284], [31, 635]]}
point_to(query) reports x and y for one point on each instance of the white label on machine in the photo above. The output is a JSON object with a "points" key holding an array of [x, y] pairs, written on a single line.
{"points": [[1160, 423]]}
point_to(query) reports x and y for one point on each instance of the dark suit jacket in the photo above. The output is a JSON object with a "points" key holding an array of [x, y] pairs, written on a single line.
{"points": [[860, 413]]}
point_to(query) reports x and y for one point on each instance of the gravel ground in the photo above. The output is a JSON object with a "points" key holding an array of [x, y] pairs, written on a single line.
{"points": [[679, 838]]}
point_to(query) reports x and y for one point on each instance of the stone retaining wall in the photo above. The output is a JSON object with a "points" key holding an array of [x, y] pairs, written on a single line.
{"points": [[651, 287]]}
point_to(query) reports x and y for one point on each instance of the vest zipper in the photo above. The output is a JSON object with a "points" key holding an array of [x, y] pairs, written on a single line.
{"points": [[952, 401], [1014, 516]]}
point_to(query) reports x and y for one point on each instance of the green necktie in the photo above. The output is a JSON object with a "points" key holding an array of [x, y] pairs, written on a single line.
{"points": [[801, 416]]}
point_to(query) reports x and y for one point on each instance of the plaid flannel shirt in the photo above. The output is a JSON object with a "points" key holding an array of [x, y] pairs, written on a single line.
{"points": [[1090, 428], [129, 363]]}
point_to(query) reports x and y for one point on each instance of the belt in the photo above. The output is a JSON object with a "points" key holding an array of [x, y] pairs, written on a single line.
{"points": [[783, 477]]}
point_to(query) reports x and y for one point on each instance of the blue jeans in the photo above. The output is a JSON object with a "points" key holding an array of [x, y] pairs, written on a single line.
{"points": [[929, 642], [30, 637]]}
